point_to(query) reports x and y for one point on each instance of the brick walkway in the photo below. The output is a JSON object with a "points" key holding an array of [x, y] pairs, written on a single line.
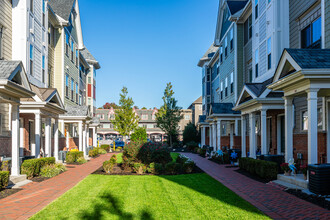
{"points": [[36, 196], [270, 200]]}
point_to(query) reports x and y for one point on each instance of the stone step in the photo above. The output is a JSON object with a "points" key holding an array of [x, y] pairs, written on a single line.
{"points": [[298, 180], [20, 184], [287, 185], [16, 179]]}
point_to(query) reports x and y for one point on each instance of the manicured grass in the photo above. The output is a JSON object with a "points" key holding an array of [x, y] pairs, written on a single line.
{"points": [[193, 196], [174, 156]]}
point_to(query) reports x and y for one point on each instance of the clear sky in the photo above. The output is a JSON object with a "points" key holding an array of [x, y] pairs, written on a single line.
{"points": [[143, 44]]}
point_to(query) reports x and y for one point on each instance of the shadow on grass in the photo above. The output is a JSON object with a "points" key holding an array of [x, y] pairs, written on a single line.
{"points": [[110, 205]]}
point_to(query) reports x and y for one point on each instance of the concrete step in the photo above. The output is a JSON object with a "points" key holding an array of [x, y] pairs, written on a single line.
{"points": [[294, 180], [287, 185], [16, 179], [20, 184]]}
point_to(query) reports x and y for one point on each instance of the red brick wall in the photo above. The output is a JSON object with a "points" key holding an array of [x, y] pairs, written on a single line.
{"points": [[73, 143]]}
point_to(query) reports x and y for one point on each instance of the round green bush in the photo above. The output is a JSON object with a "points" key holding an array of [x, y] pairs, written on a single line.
{"points": [[188, 166], [49, 171], [108, 166], [173, 168], [81, 160]]}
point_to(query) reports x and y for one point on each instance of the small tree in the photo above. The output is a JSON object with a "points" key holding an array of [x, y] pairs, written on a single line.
{"points": [[190, 133], [139, 135], [125, 118], [109, 105], [169, 114]]}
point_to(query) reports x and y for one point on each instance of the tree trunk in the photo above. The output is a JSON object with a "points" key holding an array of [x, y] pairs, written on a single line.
{"points": [[170, 140]]}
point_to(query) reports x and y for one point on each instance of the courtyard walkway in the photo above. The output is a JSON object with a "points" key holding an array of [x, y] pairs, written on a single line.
{"points": [[268, 199], [36, 196]]}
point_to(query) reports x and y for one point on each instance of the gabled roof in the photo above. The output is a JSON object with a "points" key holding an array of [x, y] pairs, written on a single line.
{"points": [[89, 57], [14, 71], [235, 6], [62, 8], [198, 101], [311, 58], [208, 55], [77, 111], [222, 108], [258, 88], [7, 68]]}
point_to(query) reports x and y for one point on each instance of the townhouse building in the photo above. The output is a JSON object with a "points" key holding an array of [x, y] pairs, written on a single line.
{"points": [[43, 108], [197, 109], [283, 101]]}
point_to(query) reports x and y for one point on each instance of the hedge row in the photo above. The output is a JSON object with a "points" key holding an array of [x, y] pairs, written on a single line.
{"points": [[32, 167], [73, 156], [264, 169], [4, 179]]}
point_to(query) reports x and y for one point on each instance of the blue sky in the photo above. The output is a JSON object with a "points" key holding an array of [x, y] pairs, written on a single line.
{"points": [[143, 44]]}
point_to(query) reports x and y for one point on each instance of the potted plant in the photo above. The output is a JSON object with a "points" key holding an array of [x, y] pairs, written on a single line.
{"points": [[304, 170], [285, 168]]}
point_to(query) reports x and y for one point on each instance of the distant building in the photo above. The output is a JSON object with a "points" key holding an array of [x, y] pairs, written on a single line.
{"points": [[197, 109]]}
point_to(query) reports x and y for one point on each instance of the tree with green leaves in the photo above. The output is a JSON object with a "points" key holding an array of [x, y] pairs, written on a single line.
{"points": [[125, 118], [139, 135], [169, 114], [190, 133]]}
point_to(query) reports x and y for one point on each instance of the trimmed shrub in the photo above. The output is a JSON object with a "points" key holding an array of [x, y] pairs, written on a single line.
{"points": [[151, 168], [154, 152], [72, 156], [181, 159], [113, 158], [139, 168], [159, 168], [81, 160], [49, 171], [4, 179], [173, 168], [188, 166], [32, 167], [105, 147], [5, 165], [202, 152], [131, 151], [108, 166], [93, 153], [191, 146], [264, 169], [101, 151], [190, 133]]}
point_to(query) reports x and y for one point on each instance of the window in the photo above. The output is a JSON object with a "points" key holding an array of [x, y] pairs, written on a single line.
{"points": [[89, 80], [231, 38], [80, 97], [77, 96], [257, 60], [305, 120], [153, 117], [248, 29], [250, 75], [221, 90], [269, 53], [66, 85], [77, 57], [218, 64], [187, 117], [144, 117], [31, 59], [311, 35], [67, 45], [72, 88], [226, 46], [150, 126], [232, 82], [256, 9], [226, 86], [221, 54], [43, 69], [72, 45], [31, 5], [43, 12]]}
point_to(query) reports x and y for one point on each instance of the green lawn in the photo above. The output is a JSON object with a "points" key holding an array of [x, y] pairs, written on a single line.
{"points": [[193, 196]]}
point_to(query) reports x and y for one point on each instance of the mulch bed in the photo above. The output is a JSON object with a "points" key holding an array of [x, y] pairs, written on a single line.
{"points": [[317, 200], [247, 174], [39, 179], [7, 192], [119, 170]]}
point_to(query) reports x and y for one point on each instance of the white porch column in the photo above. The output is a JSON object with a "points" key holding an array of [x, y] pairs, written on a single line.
{"points": [[214, 131], [80, 128], [219, 135], [15, 139], [236, 127], [37, 132], [56, 139], [288, 128], [48, 137], [84, 140], [231, 135], [94, 136], [87, 136], [263, 117], [210, 135], [21, 141], [252, 118], [203, 136], [279, 137], [243, 136], [312, 125]]}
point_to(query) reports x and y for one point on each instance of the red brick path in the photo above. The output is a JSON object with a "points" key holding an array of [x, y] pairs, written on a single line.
{"points": [[36, 196], [268, 199]]}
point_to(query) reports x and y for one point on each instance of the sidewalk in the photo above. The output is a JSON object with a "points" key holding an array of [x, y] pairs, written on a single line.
{"points": [[270, 200], [36, 196]]}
